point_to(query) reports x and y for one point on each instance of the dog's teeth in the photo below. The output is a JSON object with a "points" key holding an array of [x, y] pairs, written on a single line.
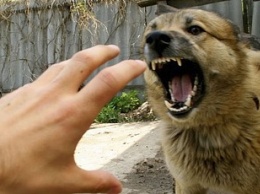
{"points": [[196, 81], [173, 109], [168, 104], [184, 108], [159, 63], [163, 60], [179, 61], [195, 88], [188, 101], [153, 65], [180, 109]]}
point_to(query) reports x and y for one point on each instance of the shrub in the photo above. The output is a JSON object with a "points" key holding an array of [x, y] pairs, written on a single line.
{"points": [[126, 102], [108, 115]]}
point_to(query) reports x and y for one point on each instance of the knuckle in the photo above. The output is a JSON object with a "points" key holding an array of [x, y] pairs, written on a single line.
{"points": [[26, 89], [57, 66], [83, 57], [108, 78], [68, 109], [65, 111]]}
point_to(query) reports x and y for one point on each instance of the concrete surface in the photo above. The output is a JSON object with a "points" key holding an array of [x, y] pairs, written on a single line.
{"points": [[117, 148]]}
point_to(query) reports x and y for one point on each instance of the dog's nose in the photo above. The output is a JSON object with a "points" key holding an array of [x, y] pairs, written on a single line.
{"points": [[158, 40]]}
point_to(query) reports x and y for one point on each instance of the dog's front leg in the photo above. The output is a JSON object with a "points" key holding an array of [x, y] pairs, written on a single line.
{"points": [[184, 189]]}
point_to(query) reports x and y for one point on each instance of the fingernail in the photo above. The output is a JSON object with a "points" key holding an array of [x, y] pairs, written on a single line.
{"points": [[113, 47], [142, 63]]}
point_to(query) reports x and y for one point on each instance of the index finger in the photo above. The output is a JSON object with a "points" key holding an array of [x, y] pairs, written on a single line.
{"points": [[83, 63], [108, 82]]}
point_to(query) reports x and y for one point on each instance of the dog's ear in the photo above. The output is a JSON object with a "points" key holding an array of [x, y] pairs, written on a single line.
{"points": [[162, 8], [250, 41]]}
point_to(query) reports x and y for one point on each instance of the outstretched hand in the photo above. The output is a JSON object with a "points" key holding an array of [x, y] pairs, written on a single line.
{"points": [[42, 123]]}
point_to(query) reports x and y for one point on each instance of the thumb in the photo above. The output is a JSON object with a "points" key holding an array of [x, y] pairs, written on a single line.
{"points": [[96, 181]]}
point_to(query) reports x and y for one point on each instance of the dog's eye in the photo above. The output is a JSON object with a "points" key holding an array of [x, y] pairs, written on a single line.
{"points": [[195, 30]]}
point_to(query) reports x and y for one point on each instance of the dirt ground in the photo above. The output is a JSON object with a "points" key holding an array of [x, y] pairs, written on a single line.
{"points": [[130, 151], [150, 176]]}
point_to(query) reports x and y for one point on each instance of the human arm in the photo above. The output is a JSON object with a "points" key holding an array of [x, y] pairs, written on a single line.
{"points": [[42, 122]]}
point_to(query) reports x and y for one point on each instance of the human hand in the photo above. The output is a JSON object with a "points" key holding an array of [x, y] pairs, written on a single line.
{"points": [[42, 122]]}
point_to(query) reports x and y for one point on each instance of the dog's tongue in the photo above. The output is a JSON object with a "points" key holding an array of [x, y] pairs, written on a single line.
{"points": [[181, 87]]}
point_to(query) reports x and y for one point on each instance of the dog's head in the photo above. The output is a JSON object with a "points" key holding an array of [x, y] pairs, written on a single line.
{"points": [[197, 64]]}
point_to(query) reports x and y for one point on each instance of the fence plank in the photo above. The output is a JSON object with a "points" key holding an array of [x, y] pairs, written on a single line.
{"points": [[30, 40], [255, 21]]}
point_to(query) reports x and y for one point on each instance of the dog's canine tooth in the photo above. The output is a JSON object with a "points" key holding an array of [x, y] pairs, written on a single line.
{"points": [[193, 93], [168, 104], [179, 61], [188, 101], [153, 64]]}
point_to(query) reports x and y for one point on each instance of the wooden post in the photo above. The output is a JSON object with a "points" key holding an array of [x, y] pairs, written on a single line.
{"points": [[247, 15]]}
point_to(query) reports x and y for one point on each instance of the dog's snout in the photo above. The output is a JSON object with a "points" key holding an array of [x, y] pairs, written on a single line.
{"points": [[158, 40]]}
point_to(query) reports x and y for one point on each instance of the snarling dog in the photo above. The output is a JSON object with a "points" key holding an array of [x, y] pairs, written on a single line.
{"points": [[203, 81]]}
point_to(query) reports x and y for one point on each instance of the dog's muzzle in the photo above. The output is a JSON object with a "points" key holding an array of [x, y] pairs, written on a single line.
{"points": [[181, 77]]}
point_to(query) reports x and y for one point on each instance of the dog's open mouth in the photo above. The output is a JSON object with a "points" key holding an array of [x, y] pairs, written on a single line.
{"points": [[183, 83]]}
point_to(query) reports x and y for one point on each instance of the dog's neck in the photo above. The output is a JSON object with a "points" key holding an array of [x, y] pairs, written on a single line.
{"points": [[213, 136]]}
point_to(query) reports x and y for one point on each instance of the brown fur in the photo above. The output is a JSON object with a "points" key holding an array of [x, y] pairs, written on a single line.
{"points": [[217, 145]]}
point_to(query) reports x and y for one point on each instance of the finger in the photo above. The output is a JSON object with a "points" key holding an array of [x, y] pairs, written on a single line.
{"points": [[83, 63], [108, 82], [92, 182], [51, 73]]}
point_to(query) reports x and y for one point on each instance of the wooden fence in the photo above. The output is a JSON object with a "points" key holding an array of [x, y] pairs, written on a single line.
{"points": [[36, 35]]}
